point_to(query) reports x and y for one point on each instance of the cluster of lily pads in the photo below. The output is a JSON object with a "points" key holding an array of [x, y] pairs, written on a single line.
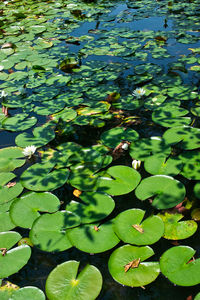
{"points": [[96, 116]]}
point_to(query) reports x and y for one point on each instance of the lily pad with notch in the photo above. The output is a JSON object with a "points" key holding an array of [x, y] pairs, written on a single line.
{"points": [[130, 228], [19, 122], [175, 230], [40, 177], [167, 191], [48, 232], [25, 210], [93, 238], [64, 282], [137, 275], [177, 266], [94, 206]]}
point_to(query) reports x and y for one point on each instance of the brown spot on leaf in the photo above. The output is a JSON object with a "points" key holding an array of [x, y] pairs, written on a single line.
{"points": [[138, 228], [132, 265]]}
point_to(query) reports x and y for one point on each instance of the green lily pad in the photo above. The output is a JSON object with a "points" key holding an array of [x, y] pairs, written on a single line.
{"points": [[143, 274], [24, 210], [118, 180], [48, 232], [40, 137], [94, 206], [8, 190], [130, 229], [175, 230], [28, 292], [114, 136], [9, 238], [143, 148], [14, 260], [11, 158], [6, 222], [175, 264], [161, 164], [168, 191], [19, 122], [188, 137], [64, 282], [40, 177], [197, 297], [170, 116], [92, 238], [191, 167], [197, 190]]}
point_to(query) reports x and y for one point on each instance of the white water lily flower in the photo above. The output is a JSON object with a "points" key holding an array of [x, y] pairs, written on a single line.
{"points": [[139, 92], [29, 151], [3, 94], [125, 146], [136, 164]]}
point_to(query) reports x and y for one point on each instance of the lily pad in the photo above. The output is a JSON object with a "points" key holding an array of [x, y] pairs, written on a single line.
{"points": [[19, 122], [8, 190], [118, 180], [161, 164], [40, 177], [130, 228], [64, 282], [114, 136], [188, 137], [92, 238], [28, 292], [143, 274], [176, 265], [40, 137], [166, 190], [11, 158], [25, 210], [175, 230], [8, 239], [48, 232], [94, 206], [14, 260]]}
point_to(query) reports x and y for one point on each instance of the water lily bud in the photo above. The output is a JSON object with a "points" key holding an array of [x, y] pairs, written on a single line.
{"points": [[3, 94], [136, 164], [125, 146]]}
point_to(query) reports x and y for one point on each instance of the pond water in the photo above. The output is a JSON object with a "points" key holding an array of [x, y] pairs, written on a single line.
{"points": [[70, 67]]}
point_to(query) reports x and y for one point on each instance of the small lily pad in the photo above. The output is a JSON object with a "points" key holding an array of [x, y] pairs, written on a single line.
{"points": [[175, 230], [65, 283], [19, 122], [143, 274], [130, 229], [114, 136], [175, 264]]}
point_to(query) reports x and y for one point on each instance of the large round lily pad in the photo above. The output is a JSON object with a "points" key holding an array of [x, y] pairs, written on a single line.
{"points": [[177, 266], [40, 177], [48, 232], [28, 292], [94, 206], [93, 238], [64, 282], [14, 260], [127, 266], [118, 180], [175, 230], [166, 190], [24, 210], [115, 136], [129, 227]]}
